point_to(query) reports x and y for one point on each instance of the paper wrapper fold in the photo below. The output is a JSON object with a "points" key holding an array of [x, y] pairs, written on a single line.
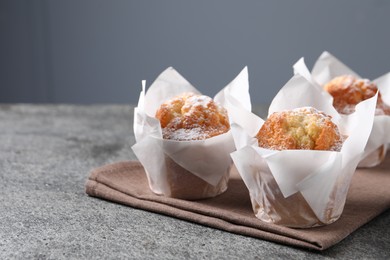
{"points": [[183, 169], [300, 188], [328, 67]]}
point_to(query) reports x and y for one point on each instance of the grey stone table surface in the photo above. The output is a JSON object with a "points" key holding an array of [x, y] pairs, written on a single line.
{"points": [[46, 153]]}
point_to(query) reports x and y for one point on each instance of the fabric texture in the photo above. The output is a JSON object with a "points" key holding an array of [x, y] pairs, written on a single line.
{"points": [[126, 183]]}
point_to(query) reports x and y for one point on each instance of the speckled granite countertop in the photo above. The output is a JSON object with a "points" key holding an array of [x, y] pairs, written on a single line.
{"points": [[46, 153]]}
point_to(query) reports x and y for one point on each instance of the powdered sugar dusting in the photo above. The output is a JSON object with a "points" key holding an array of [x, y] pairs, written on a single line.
{"points": [[321, 121], [321, 116], [338, 145], [185, 134], [201, 100], [300, 128], [349, 109], [192, 117]]}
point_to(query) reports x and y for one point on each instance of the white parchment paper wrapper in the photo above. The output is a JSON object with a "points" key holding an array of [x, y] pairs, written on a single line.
{"points": [[300, 188], [207, 159], [328, 67]]}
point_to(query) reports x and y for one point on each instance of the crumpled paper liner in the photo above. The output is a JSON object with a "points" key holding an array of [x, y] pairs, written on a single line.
{"points": [[328, 67], [300, 188], [182, 169]]}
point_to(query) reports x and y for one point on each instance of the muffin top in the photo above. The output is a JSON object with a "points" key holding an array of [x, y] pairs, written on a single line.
{"points": [[301, 128], [348, 91], [192, 117]]}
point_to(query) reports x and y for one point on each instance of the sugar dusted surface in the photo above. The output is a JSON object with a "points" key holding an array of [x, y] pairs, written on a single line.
{"points": [[192, 117], [300, 128], [185, 134], [348, 91], [201, 100]]}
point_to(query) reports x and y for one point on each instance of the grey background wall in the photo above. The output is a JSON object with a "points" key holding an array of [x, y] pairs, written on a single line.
{"points": [[96, 51]]}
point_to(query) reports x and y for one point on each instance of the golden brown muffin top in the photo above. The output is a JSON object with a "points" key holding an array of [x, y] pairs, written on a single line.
{"points": [[348, 91], [301, 128], [192, 117]]}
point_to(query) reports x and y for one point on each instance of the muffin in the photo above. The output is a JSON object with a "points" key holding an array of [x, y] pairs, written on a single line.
{"points": [[302, 128], [190, 117], [298, 164], [348, 91]]}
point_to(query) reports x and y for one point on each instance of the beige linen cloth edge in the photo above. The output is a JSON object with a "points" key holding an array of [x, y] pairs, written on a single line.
{"points": [[126, 183]]}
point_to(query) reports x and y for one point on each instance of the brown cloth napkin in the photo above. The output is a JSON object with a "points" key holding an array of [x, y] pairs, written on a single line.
{"points": [[126, 183]]}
